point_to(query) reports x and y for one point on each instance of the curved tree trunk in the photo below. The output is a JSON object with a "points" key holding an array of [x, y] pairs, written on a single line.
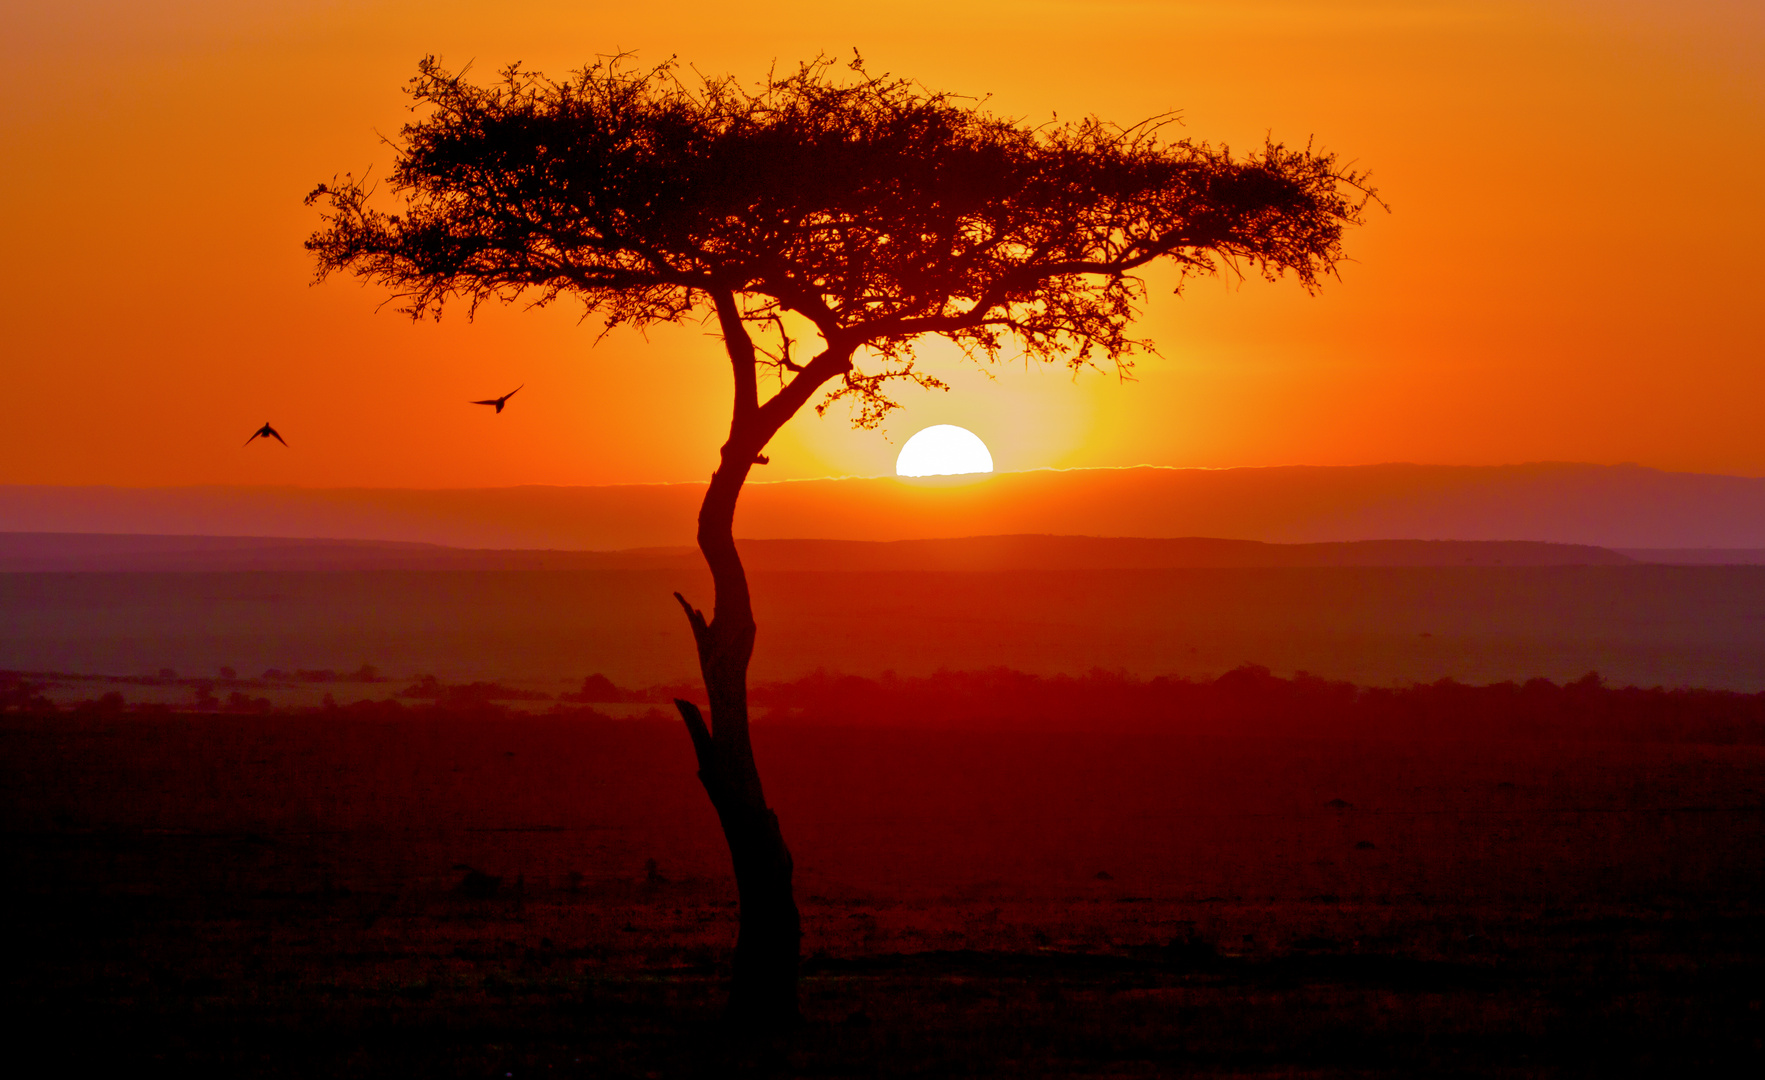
{"points": [[764, 987], [763, 991]]}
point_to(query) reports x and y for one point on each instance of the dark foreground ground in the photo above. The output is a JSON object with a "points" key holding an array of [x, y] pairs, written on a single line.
{"points": [[440, 894]]}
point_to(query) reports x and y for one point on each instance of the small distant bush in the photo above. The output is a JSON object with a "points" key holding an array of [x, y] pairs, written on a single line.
{"points": [[426, 686], [110, 704], [597, 689]]}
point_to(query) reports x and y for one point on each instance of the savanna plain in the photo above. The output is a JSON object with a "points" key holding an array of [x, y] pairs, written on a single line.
{"points": [[1043, 824]]}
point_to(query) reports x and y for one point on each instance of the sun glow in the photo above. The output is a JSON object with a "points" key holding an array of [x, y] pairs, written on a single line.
{"points": [[943, 450]]}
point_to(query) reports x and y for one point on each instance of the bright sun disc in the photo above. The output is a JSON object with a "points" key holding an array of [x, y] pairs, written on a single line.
{"points": [[943, 450]]}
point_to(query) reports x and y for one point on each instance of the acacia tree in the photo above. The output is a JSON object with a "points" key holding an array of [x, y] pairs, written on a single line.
{"points": [[871, 208]]}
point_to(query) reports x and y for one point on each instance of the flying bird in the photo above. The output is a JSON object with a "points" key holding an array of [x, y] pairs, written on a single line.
{"points": [[499, 402], [266, 432]]}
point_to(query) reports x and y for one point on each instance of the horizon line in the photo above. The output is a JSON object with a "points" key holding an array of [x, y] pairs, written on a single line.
{"points": [[975, 477]]}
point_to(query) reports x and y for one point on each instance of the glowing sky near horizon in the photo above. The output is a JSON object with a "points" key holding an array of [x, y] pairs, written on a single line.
{"points": [[1567, 273]]}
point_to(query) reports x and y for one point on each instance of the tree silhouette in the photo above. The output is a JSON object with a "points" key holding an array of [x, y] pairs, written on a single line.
{"points": [[868, 208]]}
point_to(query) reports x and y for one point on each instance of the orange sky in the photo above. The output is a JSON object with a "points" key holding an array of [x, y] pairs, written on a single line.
{"points": [[1577, 191]]}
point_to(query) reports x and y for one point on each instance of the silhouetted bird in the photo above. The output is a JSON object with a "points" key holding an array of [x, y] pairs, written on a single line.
{"points": [[266, 432], [499, 402]]}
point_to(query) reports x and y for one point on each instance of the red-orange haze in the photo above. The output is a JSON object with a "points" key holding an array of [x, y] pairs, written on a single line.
{"points": [[1565, 276]]}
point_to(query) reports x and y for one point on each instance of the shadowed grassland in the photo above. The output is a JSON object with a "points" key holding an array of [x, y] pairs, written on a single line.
{"points": [[484, 894]]}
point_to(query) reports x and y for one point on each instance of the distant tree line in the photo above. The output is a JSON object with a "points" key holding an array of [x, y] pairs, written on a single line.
{"points": [[1248, 701]]}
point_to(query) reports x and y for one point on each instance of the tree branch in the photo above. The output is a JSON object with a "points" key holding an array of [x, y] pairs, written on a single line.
{"points": [[696, 619], [703, 747], [830, 364], [783, 358], [741, 357]]}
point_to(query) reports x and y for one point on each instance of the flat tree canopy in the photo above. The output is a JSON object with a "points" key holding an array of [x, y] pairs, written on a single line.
{"points": [[872, 207]]}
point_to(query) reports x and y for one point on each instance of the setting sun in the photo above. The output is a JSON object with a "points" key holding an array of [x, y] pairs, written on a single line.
{"points": [[943, 450]]}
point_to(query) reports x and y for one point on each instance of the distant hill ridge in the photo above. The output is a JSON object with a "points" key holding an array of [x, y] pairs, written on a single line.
{"points": [[48, 552], [1613, 506]]}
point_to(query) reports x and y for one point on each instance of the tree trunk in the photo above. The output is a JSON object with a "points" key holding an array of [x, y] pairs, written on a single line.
{"points": [[763, 991]]}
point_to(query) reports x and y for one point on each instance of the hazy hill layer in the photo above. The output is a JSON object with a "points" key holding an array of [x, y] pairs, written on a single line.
{"points": [[57, 552], [1638, 624], [1623, 506]]}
